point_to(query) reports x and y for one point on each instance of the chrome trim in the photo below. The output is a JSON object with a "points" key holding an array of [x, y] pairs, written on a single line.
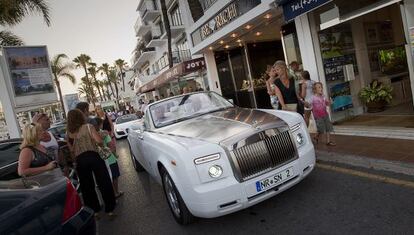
{"points": [[295, 127], [268, 153], [206, 159]]}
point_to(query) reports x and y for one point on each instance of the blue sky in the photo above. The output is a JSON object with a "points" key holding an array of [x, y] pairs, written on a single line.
{"points": [[103, 29]]}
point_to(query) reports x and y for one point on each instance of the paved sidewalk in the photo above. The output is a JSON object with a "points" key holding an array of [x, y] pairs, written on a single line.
{"points": [[377, 148]]}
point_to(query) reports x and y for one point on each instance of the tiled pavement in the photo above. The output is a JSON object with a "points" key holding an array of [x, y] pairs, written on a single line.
{"points": [[376, 148]]}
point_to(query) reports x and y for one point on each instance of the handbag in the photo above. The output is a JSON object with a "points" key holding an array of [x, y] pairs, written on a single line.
{"points": [[103, 151]]}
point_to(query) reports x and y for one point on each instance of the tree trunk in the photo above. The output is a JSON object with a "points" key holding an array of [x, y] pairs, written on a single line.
{"points": [[167, 27], [90, 87], [123, 80], [60, 96]]}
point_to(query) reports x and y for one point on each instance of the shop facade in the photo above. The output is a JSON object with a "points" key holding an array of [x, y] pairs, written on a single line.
{"points": [[238, 39], [349, 46]]}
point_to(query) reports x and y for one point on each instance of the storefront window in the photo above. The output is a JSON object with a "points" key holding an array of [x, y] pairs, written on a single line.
{"points": [[360, 51]]}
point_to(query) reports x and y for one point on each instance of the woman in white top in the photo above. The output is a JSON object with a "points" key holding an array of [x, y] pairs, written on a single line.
{"points": [[47, 140], [272, 89], [306, 94]]}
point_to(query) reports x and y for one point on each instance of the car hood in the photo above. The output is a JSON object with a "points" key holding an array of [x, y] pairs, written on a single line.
{"points": [[219, 126], [125, 125]]}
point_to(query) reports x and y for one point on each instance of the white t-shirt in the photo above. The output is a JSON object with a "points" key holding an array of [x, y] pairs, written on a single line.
{"points": [[52, 147]]}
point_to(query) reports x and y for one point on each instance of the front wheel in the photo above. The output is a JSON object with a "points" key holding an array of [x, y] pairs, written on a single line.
{"points": [[178, 208]]}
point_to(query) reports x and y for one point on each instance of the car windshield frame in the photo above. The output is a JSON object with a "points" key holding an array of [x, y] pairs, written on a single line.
{"points": [[188, 99], [128, 120]]}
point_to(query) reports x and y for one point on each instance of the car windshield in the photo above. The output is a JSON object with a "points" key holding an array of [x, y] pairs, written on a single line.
{"points": [[184, 107], [126, 118]]}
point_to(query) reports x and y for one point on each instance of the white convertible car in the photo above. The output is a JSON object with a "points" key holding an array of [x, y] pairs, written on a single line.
{"points": [[214, 158]]}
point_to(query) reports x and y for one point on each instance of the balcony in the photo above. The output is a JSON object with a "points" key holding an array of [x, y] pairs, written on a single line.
{"points": [[181, 56], [176, 30], [143, 56], [140, 27], [148, 10], [155, 38]]}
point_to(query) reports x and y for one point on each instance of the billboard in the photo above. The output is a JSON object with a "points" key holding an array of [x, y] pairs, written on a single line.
{"points": [[30, 76]]}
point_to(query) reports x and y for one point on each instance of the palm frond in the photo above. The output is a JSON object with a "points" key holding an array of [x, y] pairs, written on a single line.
{"points": [[7, 38], [13, 12]]}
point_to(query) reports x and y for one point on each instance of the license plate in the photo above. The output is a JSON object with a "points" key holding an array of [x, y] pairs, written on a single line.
{"points": [[274, 180]]}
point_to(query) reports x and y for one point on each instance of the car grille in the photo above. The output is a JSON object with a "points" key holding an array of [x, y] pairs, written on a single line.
{"points": [[266, 154]]}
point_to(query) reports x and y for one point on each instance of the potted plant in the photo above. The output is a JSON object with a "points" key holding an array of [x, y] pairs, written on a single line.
{"points": [[376, 96]]}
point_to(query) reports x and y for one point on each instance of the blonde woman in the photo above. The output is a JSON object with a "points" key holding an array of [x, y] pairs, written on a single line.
{"points": [[272, 89], [286, 84], [33, 158]]}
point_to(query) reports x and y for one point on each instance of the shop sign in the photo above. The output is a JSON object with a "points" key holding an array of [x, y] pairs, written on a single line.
{"points": [[194, 65], [173, 73], [232, 11], [292, 9], [224, 17]]}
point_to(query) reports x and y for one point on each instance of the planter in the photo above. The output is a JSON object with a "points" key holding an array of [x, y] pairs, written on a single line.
{"points": [[375, 107]]}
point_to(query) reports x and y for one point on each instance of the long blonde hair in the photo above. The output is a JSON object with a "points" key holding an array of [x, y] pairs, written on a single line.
{"points": [[31, 133]]}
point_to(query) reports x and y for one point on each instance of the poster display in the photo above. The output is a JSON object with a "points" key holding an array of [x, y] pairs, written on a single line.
{"points": [[30, 76], [341, 96], [70, 101]]}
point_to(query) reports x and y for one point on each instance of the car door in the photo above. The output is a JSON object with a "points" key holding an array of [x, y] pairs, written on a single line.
{"points": [[136, 141], [9, 156]]}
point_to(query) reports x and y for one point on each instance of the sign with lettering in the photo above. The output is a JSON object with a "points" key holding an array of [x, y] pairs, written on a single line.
{"points": [[292, 9], [224, 17], [229, 13], [178, 70]]}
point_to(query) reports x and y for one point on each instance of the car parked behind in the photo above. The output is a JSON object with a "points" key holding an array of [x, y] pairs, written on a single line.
{"points": [[47, 203], [123, 124]]}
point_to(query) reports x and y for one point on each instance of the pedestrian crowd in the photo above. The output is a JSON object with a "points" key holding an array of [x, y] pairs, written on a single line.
{"points": [[92, 149], [291, 89]]}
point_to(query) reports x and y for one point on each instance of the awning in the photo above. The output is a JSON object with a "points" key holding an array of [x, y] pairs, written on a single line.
{"points": [[175, 72]]}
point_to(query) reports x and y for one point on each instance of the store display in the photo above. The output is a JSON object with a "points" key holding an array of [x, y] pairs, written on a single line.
{"points": [[393, 60], [341, 96]]}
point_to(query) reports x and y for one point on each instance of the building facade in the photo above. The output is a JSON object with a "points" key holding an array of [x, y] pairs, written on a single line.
{"points": [[154, 78], [345, 46]]}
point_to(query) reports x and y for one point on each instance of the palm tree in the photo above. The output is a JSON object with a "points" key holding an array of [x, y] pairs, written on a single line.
{"points": [[62, 69], [105, 68], [168, 31], [120, 64], [93, 72], [112, 77], [87, 90], [13, 12], [83, 61]]}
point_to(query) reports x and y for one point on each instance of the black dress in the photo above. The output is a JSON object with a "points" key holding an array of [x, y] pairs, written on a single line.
{"points": [[288, 94], [106, 124]]}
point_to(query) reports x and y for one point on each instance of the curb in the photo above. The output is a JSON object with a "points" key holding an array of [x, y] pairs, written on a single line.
{"points": [[366, 162]]}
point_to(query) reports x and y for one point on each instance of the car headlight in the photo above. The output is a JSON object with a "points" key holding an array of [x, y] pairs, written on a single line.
{"points": [[215, 171], [299, 138], [119, 130]]}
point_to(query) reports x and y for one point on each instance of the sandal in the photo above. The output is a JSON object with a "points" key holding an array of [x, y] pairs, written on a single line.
{"points": [[119, 194], [330, 143]]}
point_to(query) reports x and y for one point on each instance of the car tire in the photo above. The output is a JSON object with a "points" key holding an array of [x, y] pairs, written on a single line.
{"points": [[176, 203], [137, 166]]}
